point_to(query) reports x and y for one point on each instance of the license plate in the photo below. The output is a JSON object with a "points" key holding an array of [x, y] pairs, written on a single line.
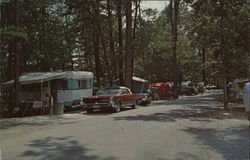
{"points": [[96, 106]]}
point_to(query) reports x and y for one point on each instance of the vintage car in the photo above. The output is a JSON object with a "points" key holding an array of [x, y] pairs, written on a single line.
{"points": [[114, 98]]}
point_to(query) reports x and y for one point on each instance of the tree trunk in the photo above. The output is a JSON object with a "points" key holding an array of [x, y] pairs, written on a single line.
{"points": [[225, 95], [72, 62], [204, 67], [111, 41], [106, 61], [10, 74], [137, 4], [128, 60], [121, 56], [17, 63], [97, 59], [96, 42], [141, 43], [174, 11], [17, 72], [224, 56]]}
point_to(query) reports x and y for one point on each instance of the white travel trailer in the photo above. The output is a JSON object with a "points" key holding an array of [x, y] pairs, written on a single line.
{"points": [[79, 84], [67, 87]]}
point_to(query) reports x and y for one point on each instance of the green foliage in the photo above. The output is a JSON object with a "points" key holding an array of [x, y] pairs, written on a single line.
{"points": [[55, 32], [12, 31], [222, 28], [151, 49]]}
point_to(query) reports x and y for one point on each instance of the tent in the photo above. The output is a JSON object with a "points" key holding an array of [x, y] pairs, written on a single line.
{"points": [[139, 85], [160, 88]]}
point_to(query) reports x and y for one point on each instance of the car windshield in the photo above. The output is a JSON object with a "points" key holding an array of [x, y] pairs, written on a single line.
{"points": [[107, 91]]}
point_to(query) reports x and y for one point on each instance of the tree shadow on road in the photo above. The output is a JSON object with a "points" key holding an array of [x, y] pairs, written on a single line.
{"points": [[202, 113], [201, 108], [35, 121], [181, 156], [191, 101], [51, 148], [232, 143]]}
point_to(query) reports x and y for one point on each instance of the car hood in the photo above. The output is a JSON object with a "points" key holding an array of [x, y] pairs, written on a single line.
{"points": [[99, 96]]}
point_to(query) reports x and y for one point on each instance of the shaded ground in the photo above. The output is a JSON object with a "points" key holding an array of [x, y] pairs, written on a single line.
{"points": [[63, 148], [200, 108], [201, 113], [37, 121], [232, 143]]}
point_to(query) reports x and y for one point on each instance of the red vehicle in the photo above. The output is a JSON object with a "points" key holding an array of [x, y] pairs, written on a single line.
{"points": [[114, 98]]}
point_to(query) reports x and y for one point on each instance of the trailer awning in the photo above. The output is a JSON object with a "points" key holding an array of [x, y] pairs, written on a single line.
{"points": [[39, 77]]}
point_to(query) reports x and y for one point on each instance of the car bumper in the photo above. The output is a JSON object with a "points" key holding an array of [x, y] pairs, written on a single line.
{"points": [[145, 101], [98, 106]]}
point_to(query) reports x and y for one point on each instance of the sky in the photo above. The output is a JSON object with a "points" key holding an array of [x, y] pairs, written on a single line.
{"points": [[159, 5]]}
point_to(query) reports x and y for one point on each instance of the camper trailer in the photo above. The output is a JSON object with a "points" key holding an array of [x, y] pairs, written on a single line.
{"points": [[67, 87], [78, 85]]}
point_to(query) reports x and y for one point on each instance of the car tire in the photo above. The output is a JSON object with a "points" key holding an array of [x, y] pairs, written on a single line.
{"points": [[117, 107], [89, 110]]}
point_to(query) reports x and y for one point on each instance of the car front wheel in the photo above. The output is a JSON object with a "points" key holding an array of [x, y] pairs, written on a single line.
{"points": [[117, 107]]}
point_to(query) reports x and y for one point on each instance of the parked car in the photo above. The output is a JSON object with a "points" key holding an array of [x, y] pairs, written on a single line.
{"points": [[146, 98], [114, 98], [209, 86], [192, 90], [201, 87]]}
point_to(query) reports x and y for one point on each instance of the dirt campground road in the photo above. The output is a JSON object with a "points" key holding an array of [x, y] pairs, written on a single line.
{"points": [[190, 128]]}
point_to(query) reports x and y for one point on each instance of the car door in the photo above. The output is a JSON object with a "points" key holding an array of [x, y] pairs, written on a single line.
{"points": [[125, 96], [133, 97]]}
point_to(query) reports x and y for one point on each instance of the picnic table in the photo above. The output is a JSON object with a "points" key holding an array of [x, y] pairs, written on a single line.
{"points": [[27, 106]]}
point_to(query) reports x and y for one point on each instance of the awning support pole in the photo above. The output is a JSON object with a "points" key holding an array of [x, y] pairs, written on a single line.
{"points": [[41, 91], [42, 97]]}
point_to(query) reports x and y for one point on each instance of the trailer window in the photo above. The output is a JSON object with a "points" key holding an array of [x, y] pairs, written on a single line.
{"points": [[84, 84]]}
